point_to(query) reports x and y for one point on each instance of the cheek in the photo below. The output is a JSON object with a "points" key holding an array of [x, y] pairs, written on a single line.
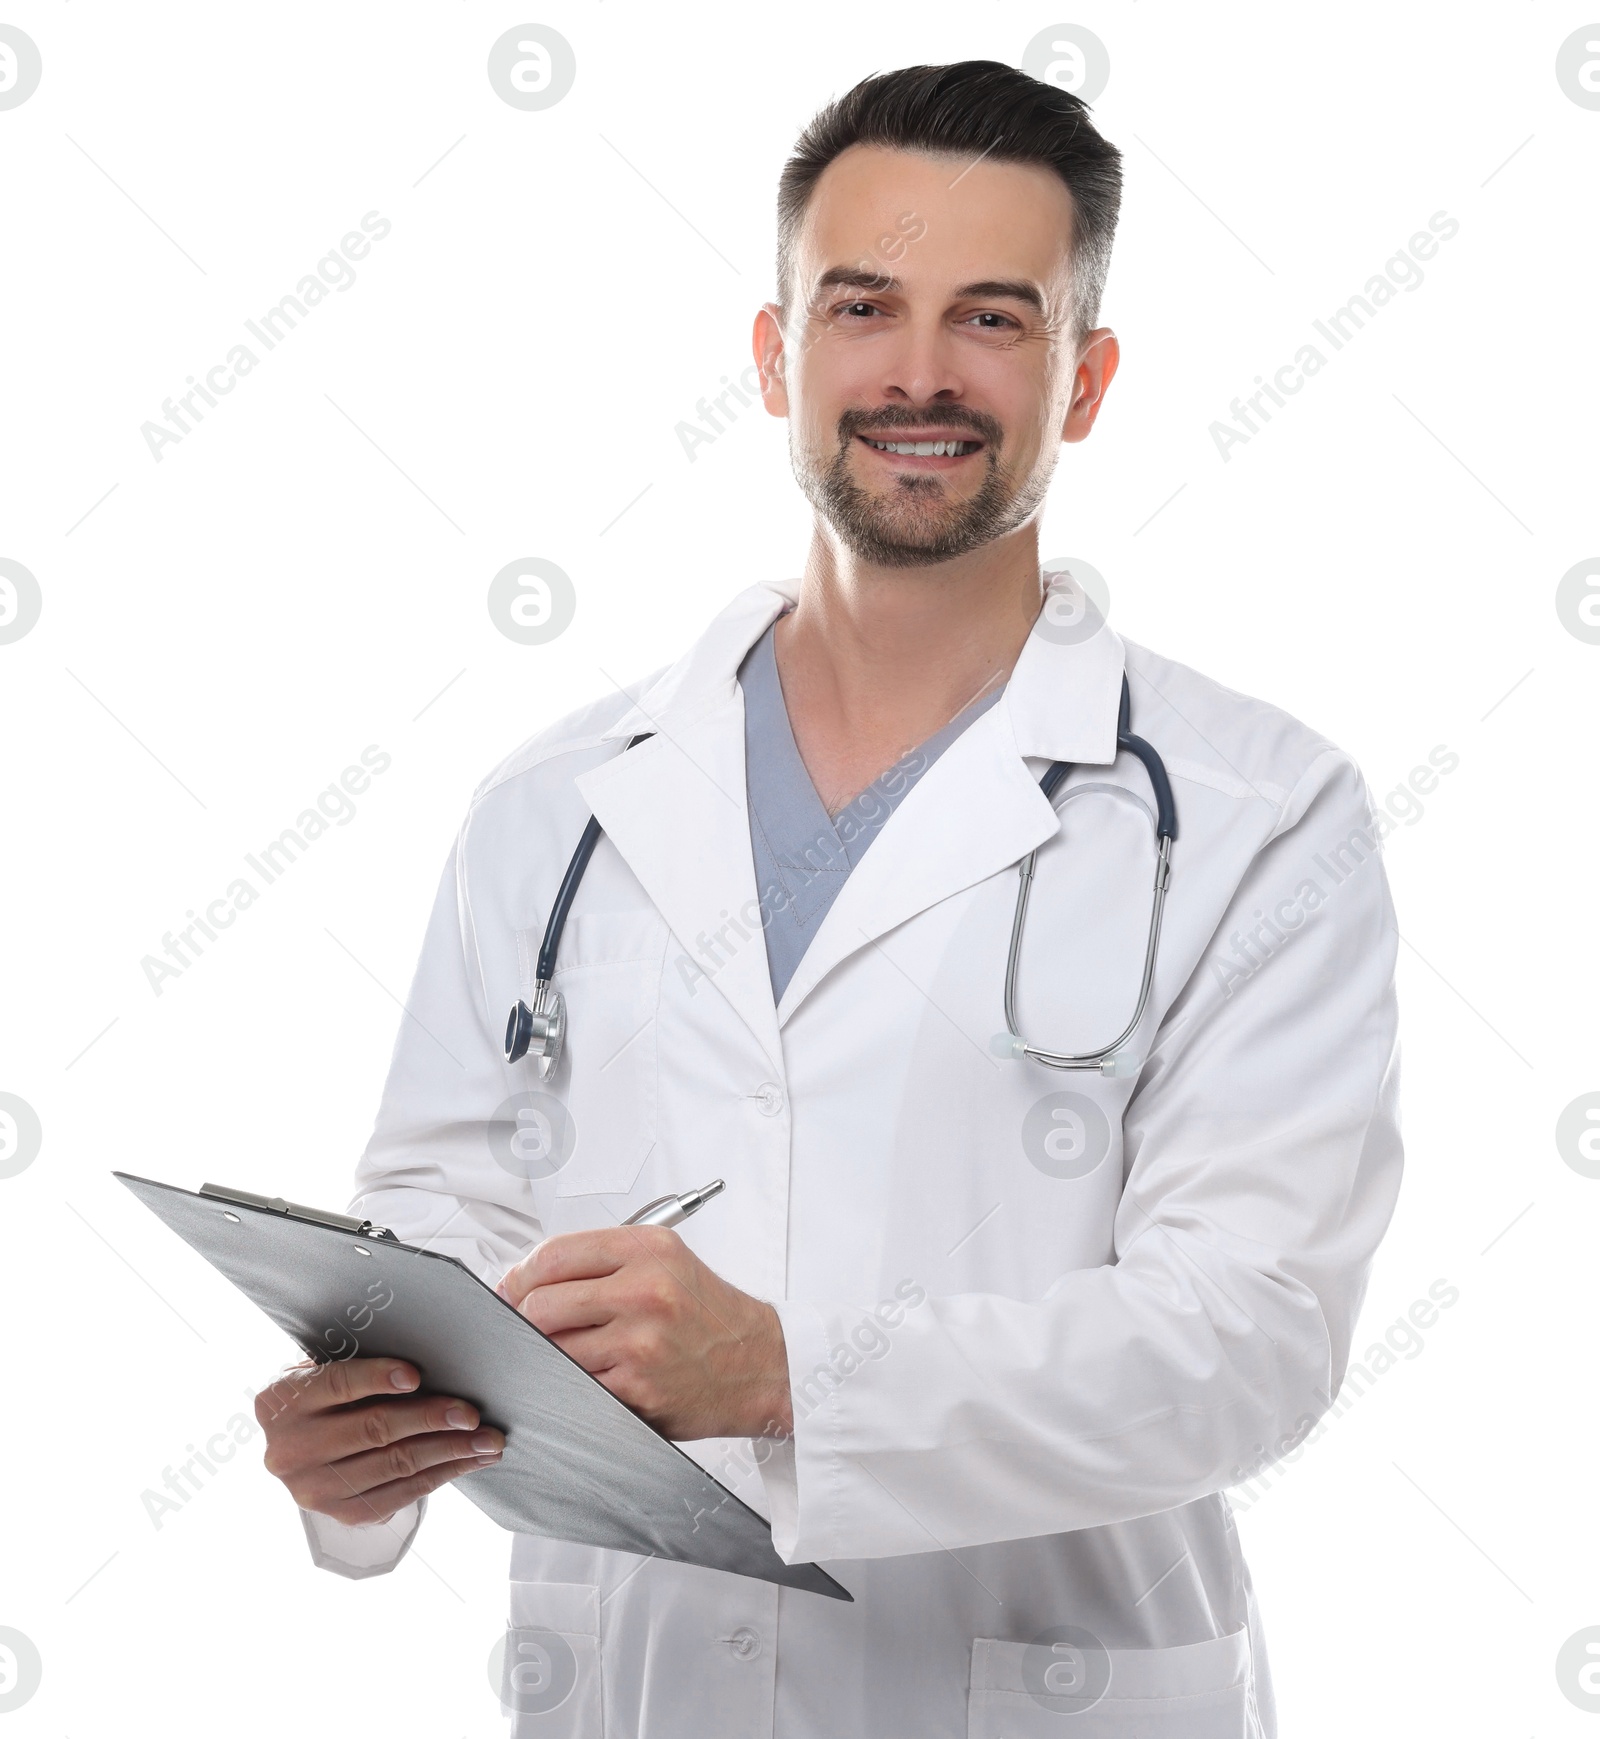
{"points": [[822, 433], [1033, 437], [813, 419], [832, 377], [1012, 391]]}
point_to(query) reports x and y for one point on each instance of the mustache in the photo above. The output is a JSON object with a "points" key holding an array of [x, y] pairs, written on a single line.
{"points": [[888, 418]]}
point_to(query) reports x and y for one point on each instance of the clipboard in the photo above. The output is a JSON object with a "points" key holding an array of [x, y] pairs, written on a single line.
{"points": [[579, 1465]]}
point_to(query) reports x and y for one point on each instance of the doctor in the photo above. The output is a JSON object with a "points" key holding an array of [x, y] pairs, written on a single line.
{"points": [[986, 1338]]}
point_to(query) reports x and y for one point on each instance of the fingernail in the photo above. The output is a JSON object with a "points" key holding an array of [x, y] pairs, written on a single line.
{"points": [[462, 1420], [484, 1444], [486, 1460], [402, 1379]]}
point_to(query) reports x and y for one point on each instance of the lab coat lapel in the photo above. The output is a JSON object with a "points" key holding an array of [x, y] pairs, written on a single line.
{"points": [[675, 808], [979, 808]]}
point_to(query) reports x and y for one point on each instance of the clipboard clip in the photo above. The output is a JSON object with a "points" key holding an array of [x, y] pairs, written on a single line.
{"points": [[297, 1211]]}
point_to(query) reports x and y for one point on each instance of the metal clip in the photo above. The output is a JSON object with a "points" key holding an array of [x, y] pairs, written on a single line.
{"points": [[297, 1211]]}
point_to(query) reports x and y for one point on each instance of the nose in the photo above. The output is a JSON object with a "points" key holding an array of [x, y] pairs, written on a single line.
{"points": [[921, 364]]}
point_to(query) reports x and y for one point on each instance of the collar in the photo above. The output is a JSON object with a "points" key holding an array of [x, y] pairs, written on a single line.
{"points": [[1060, 703]]}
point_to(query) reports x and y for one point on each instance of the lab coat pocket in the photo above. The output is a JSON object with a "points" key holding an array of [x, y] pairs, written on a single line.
{"points": [[1052, 1688], [550, 1679], [609, 971]]}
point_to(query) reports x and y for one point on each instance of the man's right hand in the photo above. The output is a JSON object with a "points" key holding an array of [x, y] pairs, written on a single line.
{"points": [[349, 1442]]}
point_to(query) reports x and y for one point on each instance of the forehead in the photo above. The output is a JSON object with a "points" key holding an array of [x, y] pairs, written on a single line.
{"points": [[972, 218]]}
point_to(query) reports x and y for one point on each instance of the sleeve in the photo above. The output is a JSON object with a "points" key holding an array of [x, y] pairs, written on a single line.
{"points": [[428, 1172], [1262, 1161], [366, 1550]]}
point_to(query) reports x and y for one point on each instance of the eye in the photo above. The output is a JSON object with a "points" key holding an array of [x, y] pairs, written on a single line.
{"points": [[1002, 322], [857, 310]]}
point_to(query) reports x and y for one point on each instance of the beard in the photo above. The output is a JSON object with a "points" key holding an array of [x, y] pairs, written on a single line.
{"points": [[917, 520]]}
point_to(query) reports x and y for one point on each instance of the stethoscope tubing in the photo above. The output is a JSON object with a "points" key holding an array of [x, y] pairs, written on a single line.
{"points": [[1098, 1058], [542, 1028], [1166, 826], [567, 892]]}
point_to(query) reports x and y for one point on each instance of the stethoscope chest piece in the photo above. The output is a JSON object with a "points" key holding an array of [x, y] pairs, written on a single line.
{"points": [[540, 1031]]}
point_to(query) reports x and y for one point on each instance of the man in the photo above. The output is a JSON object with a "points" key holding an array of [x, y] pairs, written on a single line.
{"points": [[985, 1338]]}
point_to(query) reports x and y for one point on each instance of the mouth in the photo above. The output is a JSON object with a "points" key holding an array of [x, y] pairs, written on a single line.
{"points": [[928, 450]]}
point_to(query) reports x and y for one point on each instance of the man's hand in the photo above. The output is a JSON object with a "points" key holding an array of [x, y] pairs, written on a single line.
{"points": [[633, 1305], [346, 1443]]}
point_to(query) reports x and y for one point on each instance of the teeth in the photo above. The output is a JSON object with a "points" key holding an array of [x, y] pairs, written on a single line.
{"points": [[926, 449]]}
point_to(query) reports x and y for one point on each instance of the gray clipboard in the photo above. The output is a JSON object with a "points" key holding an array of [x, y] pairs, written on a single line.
{"points": [[579, 1465]]}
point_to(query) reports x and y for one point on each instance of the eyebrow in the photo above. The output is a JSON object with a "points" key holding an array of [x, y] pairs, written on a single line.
{"points": [[993, 289]]}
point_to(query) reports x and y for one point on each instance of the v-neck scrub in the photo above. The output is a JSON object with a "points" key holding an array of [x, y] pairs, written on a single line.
{"points": [[802, 854]]}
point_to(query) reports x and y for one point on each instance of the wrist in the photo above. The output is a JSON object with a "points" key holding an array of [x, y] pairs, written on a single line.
{"points": [[772, 1411]]}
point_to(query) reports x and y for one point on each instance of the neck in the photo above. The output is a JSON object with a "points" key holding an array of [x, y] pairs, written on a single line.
{"points": [[919, 643], [874, 660]]}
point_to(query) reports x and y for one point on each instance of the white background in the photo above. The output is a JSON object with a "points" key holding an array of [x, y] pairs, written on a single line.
{"points": [[305, 574]]}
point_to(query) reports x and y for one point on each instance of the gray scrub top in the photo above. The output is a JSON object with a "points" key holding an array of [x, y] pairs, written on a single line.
{"points": [[802, 854]]}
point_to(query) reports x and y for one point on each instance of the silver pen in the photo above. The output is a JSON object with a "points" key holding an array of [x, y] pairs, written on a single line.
{"points": [[674, 1210], [665, 1211]]}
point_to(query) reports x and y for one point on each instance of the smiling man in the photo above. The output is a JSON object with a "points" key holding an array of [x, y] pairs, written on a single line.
{"points": [[1020, 1263]]}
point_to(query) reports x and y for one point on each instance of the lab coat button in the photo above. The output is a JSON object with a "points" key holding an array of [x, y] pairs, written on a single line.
{"points": [[745, 1643], [769, 1099]]}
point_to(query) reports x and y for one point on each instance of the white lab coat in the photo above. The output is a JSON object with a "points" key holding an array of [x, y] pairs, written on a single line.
{"points": [[1023, 1378]]}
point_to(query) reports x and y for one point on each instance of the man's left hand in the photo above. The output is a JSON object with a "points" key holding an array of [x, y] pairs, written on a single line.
{"points": [[694, 1356]]}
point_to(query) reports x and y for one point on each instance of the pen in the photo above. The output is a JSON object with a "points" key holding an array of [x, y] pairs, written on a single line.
{"points": [[673, 1210], [665, 1211]]}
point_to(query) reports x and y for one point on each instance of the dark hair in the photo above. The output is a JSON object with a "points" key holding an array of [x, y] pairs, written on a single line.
{"points": [[976, 108]]}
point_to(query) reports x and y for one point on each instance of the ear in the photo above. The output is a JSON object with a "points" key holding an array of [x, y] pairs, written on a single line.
{"points": [[767, 346], [1098, 357]]}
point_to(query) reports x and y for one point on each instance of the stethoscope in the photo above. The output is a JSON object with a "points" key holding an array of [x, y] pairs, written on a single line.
{"points": [[1108, 1059], [540, 1031]]}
